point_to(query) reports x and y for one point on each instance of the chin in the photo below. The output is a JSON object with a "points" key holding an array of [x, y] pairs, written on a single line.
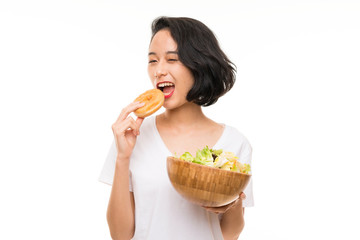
{"points": [[176, 105]]}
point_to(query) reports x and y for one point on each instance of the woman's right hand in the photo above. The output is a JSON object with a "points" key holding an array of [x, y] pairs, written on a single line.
{"points": [[125, 130]]}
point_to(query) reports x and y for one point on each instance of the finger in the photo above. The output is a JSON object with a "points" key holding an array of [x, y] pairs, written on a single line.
{"points": [[128, 109], [225, 208], [219, 209], [138, 124], [131, 125], [212, 210], [120, 128], [242, 196]]}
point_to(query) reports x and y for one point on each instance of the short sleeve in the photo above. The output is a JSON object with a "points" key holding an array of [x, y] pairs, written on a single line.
{"points": [[108, 170], [245, 157]]}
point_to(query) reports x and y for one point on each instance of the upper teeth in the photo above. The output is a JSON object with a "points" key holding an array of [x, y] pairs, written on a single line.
{"points": [[165, 84]]}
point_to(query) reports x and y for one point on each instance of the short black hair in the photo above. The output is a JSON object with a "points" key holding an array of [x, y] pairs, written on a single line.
{"points": [[199, 50]]}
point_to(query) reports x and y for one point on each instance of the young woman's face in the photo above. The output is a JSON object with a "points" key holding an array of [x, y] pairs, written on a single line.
{"points": [[167, 72]]}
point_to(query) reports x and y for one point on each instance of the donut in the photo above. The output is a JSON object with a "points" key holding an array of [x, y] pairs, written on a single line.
{"points": [[153, 100]]}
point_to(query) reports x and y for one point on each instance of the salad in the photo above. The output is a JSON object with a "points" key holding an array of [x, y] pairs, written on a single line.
{"points": [[218, 159]]}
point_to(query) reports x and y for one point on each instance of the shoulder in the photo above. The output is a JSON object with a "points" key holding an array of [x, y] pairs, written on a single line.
{"points": [[234, 134], [236, 141]]}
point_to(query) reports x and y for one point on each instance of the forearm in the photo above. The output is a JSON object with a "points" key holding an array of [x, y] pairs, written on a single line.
{"points": [[232, 222], [120, 213]]}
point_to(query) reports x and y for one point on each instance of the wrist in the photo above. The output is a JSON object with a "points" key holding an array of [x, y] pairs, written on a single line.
{"points": [[236, 209], [122, 162]]}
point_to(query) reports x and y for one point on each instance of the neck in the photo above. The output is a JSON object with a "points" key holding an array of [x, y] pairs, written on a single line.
{"points": [[189, 114]]}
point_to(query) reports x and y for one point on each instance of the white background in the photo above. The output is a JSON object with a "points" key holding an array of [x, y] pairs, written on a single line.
{"points": [[68, 67]]}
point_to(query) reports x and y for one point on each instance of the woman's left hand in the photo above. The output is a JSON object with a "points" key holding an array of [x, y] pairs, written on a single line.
{"points": [[225, 208]]}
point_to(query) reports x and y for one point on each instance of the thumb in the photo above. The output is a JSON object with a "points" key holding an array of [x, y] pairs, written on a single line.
{"points": [[139, 121], [242, 196]]}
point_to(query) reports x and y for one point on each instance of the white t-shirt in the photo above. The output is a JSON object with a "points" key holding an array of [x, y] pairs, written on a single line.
{"points": [[160, 212]]}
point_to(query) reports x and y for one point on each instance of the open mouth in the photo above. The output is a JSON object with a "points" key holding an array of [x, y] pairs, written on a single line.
{"points": [[167, 88]]}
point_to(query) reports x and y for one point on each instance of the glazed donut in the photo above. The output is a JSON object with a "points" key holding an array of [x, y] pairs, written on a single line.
{"points": [[153, 100]]}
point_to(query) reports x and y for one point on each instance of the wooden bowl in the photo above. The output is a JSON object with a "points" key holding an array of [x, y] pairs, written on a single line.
{"points": [[203, 185]]}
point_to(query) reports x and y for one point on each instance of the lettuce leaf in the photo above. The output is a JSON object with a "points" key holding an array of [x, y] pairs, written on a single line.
{"points": [[217, 158], [216, 152], [245, 168], [204, 157], [187, 157]]}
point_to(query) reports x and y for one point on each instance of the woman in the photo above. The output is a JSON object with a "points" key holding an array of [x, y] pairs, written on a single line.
{"points": [[184, 54]]}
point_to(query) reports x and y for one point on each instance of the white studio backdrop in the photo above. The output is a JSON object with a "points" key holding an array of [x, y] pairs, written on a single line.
{"points": [[67, 68]]}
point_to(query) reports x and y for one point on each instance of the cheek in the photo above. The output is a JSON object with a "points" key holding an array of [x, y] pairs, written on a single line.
{"points": [[190, 81], [188, 87]]}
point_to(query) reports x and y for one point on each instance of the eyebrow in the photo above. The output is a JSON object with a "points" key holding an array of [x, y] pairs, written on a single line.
{"points": [[168, 52]]}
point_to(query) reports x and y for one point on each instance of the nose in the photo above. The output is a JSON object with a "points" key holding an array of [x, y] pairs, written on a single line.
{"points": [[161, 69]]}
